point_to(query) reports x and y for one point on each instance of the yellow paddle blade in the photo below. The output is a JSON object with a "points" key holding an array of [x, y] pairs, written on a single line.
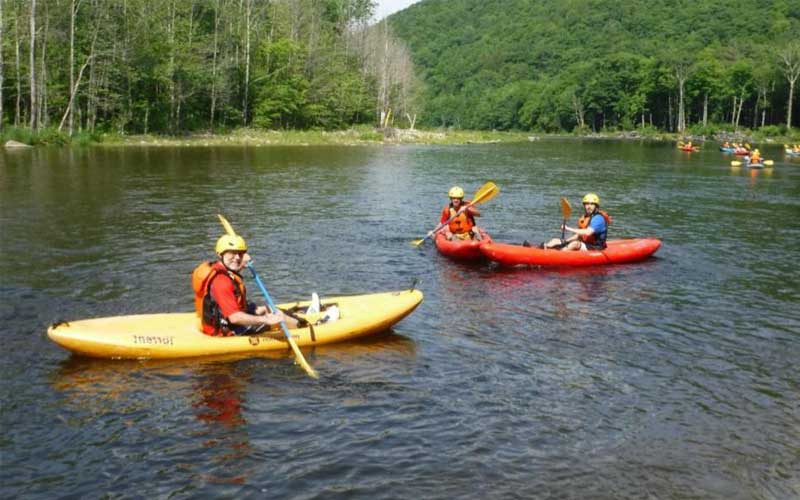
{"points": [[417, 243], [769, 162], [485, 193], [736, 164], [298, 356], [226, 225], [566, 209]]}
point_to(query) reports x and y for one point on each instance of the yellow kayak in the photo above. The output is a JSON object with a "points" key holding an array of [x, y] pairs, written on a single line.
{"points": [[178, 335]]}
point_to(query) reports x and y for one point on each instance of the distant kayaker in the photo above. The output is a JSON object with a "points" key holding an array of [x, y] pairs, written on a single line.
{"points": [[462, 225], [755, 157], [591, 231], [224, 308]]}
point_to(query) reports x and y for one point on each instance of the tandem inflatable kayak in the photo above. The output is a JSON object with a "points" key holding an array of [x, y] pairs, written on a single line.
{"points": [[462, 249], [616, 252], [178, 335]]}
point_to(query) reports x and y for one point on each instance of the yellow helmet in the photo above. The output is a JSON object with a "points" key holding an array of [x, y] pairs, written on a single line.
{"points": [[230, 243], [455, 192], [591, 198], [757, 151]]}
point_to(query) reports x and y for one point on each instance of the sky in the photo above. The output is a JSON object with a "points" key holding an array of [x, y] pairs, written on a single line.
{"points": [[386, 7]]}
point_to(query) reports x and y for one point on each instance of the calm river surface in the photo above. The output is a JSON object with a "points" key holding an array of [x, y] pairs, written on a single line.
{"points": [[673, 378]]}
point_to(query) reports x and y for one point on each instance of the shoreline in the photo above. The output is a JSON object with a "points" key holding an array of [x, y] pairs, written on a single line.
{"points": [[369, 136]]}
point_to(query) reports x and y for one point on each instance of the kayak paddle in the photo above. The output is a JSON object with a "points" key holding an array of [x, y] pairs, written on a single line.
{"points": [[566, 211], [767, 163], [485, 193], [298, 355]]}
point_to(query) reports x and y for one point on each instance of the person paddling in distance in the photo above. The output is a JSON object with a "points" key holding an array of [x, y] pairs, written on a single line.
{"points": [[755, 157], [591, 231], [463, 213], [224, 308]]}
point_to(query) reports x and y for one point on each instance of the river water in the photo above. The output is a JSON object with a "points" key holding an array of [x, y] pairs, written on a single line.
{"points": [[673, 378]]}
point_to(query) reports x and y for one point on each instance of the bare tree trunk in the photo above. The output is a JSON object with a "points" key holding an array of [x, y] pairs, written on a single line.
{"points": [[681, 114], [1, 64], [705, 110], [669, 112], [171, 29], [739, 112], [126, 60], [790, 57], [71, 103], [214, 63], [73, 13], [42, 108], [32, 61], [18, 111], [733, 113], [411, 120], [246, 93], [577, 105]]}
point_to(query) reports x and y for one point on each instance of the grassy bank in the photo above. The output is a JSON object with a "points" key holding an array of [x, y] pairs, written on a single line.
{"points": [[350, 137], [366, 135]]}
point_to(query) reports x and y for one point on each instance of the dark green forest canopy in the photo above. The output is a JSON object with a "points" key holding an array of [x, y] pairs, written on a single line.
{"points": [[540, 64]]}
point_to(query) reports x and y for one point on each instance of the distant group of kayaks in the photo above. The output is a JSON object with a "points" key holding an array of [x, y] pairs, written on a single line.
{"points": [[749, 157]]}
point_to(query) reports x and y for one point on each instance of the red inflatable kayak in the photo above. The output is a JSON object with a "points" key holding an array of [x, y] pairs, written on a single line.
{"points": [[462, 249], [617, 252], [690, 150]]}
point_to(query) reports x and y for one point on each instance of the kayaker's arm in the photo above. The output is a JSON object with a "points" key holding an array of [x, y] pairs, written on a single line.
{"points": [[587, 231]]}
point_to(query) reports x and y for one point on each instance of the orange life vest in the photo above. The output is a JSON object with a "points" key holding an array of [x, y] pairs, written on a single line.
{"points": [[205, 307], [594, 239], [461, 224]]}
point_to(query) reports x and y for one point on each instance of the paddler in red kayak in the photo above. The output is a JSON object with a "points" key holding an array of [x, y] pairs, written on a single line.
{"points": [[463, 213], [221, 297], [591, 231]]}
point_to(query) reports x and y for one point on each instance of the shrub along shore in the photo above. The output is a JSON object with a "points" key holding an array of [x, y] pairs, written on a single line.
{"points": [[365, 135]]}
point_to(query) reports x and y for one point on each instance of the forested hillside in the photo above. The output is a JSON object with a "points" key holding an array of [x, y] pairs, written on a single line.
{"points": [[556, 65], [171, 66]]}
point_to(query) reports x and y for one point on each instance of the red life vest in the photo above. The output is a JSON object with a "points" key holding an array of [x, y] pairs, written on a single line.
{"points": [[461, 224], [205, 306]]}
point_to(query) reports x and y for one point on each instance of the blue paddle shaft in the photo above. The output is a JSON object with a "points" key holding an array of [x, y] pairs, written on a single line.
{"points": [[264, 292]]}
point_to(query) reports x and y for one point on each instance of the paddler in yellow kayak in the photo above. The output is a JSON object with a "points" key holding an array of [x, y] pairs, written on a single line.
{"points": [[463, 213], [592, 228], [221, 297]]}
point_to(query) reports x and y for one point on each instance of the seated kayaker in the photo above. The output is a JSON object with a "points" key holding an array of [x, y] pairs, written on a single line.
{"points": [[221, 297], [463, 213], [756, 156], [591, 231]]}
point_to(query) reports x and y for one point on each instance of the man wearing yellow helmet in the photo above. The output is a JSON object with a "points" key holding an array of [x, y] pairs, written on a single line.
{"points": [[591, 231], [225, 310], [461, 216], [755, 157]]}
